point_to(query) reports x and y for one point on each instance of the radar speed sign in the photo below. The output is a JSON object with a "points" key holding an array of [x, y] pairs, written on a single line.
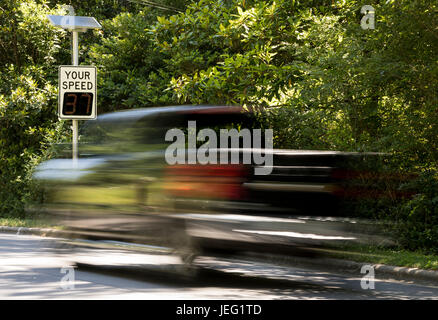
{"points": [[77, 92]]}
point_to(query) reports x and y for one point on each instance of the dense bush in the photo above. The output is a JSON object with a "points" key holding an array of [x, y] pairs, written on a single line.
{"points": [[27, 128], [416, 220], [29, 48], [131, 73]]}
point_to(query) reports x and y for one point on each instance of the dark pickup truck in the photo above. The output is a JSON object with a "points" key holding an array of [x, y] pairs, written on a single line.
{"points": [[122, 187]]}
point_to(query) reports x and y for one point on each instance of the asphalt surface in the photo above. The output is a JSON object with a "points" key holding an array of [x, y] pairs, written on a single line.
{"points": [[33, 267]]}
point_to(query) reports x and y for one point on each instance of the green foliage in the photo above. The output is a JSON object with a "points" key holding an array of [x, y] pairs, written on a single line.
{"points": [[337, 86], [29, 47], [227, 54], [416, 220], [27, 127], [130, 71], [324, 83], [26, 37]]}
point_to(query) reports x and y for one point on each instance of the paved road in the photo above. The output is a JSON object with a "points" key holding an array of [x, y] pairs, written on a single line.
{"points": [[31, 268]]}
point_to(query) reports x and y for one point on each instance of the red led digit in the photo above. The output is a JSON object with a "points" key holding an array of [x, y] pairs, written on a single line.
{"points": [[88, 102], [72, 104]]}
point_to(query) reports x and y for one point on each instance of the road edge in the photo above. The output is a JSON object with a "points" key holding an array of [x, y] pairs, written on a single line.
{"points": [[44, 232]]}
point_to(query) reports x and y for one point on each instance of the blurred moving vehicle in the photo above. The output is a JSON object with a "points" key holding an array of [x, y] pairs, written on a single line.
{"points": [[122, 188]]}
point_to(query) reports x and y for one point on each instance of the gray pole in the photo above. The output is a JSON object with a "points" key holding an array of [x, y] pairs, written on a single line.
{"points": [[75, 62], [66, 22]]}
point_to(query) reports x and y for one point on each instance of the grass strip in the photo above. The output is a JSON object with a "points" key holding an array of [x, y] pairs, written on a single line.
{"points": [[388, 256]]}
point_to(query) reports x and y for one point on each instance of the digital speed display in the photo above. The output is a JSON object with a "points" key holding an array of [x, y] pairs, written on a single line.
{"points": [[77, 94], [77, 104]]}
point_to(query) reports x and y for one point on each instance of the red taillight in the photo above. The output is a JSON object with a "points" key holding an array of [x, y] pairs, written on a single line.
{"points": [[205, 181]]}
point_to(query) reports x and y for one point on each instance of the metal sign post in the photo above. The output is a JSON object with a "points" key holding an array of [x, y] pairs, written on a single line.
{"points": [[75, 24], [75, 62]]}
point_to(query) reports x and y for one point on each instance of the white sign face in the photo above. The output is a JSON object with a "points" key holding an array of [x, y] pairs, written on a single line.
{"points": [[77, 92]]}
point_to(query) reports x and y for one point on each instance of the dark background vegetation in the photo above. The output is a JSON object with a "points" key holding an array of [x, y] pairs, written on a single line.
{"points": [[324, 82]]}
